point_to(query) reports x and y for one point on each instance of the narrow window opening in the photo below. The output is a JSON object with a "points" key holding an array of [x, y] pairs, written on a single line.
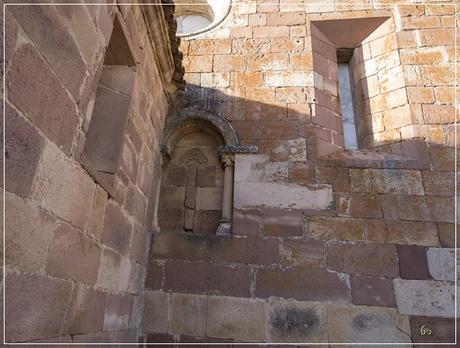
{"points": [[346, 98], [109, 114]]}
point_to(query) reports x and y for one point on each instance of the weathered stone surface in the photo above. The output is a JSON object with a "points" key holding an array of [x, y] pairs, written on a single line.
{"points": [[358, 205], [251, 251], [442, 329], [117, 229], [335, 228], [395, 181], [441, 263], [250, 194], [117, 312], [188, 314], [427, 298], [236, 318], [447, 235], [154, 277], [365, 259], [58, 178], [299, 252], [205, 278], [86, 311], [282, 223], [156, 307], [372, 291], [296, 283], [73, 255], [246, 222], [109, 270], [338, 177], [35, 306], [292, 321], [28, 234], [362, 324], [402, 232], [45, 107], [96, 219], [412, 262], [438, 209], [432, 180], [139, 242], [23, 147]]}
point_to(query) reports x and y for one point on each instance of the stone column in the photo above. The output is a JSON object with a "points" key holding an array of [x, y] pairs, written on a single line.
{"points": [[225, 225]]}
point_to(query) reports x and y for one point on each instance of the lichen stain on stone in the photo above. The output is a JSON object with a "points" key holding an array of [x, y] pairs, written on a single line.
{"points": [[294, 321], [366, 321]]}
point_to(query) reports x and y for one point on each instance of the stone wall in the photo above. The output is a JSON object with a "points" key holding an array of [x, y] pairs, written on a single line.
{"points": [[76, 255], [328, 245]]}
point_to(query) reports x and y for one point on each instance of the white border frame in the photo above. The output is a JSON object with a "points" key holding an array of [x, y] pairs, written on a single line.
{"points": [[233, 3]]}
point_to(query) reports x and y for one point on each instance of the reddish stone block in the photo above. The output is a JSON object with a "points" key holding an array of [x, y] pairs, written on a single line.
{"points": [[299, 252], [335, 228], [204, 278], [251, 251], [426, 208], [118, 312], [372, 291], [35, 306], [389, 206], [161, 338], [73, 256], [432, 183], [297, 283], [246, 222], [136, 203], [447, 235], [50, 108], [86, 311], [365, 259], [412, 262], [442, 329], [23, 147], [206, 177], [155, 276], [338, 177], [301, 173], [358, 205], [442, 157], [171, 219], [267, 130], [283, 223], [139, 242], [117, 229]]}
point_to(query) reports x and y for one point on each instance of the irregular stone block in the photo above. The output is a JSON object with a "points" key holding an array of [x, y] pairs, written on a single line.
{"points": [[402, 232], [63, 187], [394, 181], [428, 298], [362, 324], [276, 195], [338, 228], [292, 321], [117, 229], [282, 223], [365, 259], [109, 270], [23, 147], [296, 283], [86, 311], [426, 208], [412, 262], [188, 314], [358, 205], [441, 263], [236, 318], [372, 291], [156, 307], [118, 312], [35, 306], [28, 234], [74, 256], [299, 252]]}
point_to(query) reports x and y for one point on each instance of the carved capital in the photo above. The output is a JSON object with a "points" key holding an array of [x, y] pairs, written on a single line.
{"points": [[227, 160]]}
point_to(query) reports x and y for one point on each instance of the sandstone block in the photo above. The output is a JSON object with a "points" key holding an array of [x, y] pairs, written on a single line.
{"points": [[299, 252], [358, 205], [426, 208], [362, 324], [109, 270], [282, 223], [292, 321], [246, 222], [296, 283], [117, 229], [394, 181], [86, 311], [35, 306], [138, 249], [23, 147], [412, 262], [416, 297], [204, 278], [372, 291], [118, 312], [63, 187], [432, 180], [154, 277], [271, 31], [188, 314], [335, 228], [210, 46], [402, 232], [28, 234], [442, 329], [447, 235], [155, 316], [365, 259], [441, 263], [251, 251], [73, 256], [96, 219], [236, 318], [215, 80], [200, 64], [286, 79], [336, 176]]}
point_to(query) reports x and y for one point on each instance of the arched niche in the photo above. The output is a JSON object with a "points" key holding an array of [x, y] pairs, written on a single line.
{"points": [[197, 180]]}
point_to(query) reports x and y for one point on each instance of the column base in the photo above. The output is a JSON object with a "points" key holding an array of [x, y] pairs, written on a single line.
{"points": [[224, 229]]}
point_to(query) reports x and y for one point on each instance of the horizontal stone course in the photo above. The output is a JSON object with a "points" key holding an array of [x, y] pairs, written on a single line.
{"points": [[441, 263]]}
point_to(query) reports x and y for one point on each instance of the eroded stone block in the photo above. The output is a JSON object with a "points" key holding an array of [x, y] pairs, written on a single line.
{"points": [[188, 314], [156, 306], [441, 263]]}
